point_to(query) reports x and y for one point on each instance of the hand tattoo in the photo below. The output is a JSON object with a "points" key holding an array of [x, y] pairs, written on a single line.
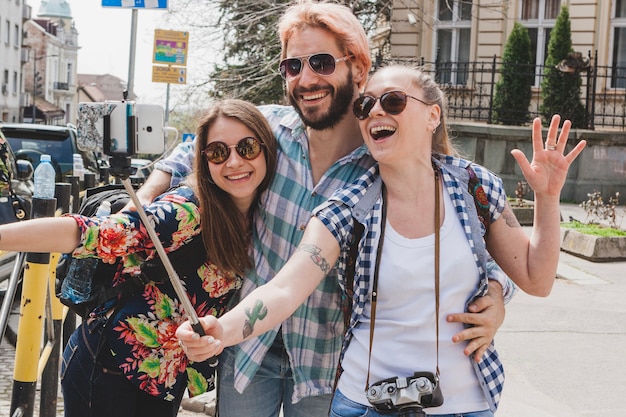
{"points": [[258, 313], [317, 259]]}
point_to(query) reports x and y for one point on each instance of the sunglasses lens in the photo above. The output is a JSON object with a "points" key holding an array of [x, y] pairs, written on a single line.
{"points": [[393, 102], [217, 152], [362, 107], [290, 67], [249, 148], [323, 64]]}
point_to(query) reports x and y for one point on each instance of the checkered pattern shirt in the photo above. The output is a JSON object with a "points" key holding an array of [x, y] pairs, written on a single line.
{"points": [[313, 334], [337, 214]]}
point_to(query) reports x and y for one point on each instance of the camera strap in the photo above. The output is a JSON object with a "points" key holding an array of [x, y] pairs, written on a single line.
{"points": [[377, 266]]}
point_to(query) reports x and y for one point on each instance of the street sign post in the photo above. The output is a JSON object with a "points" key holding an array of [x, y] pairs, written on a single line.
{"points": [[136, 4]]}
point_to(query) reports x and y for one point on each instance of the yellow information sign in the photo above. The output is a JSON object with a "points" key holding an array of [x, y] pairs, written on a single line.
{"points": [[170, 75], [170, 47]]}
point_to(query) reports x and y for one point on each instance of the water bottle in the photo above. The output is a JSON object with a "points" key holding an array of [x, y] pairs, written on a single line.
{"points": [[76, 286], [44, 178], [77, 166]]}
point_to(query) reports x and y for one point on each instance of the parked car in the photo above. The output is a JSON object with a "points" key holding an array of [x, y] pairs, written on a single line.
{"points": [[142, 167], [30, 141]]}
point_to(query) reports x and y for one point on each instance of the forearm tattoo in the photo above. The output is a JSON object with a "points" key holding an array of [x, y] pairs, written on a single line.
{"points": [[317, 259], [259, 311]]}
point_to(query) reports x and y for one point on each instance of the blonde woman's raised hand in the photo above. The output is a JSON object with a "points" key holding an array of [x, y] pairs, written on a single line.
{"points": [[547, 172]]}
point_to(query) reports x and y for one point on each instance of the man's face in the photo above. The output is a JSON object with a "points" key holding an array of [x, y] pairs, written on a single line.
{"points": [[322, 101]]}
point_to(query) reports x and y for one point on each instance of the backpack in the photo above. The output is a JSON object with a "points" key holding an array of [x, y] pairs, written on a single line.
{"points": [[83, 284]]}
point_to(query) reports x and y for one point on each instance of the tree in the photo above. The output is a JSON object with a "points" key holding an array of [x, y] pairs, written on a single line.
{"points": [[560, 90], [513, 90], [246, 65]]}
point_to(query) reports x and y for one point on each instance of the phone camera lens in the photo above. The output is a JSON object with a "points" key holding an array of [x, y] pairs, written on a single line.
{"points": [[149, 128]]}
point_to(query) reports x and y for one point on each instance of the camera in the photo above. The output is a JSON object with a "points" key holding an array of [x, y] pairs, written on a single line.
{"points": [[121, 128], [408, 395]]}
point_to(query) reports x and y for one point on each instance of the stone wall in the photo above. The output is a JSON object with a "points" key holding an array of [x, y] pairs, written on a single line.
{"points": [[600, 167]]}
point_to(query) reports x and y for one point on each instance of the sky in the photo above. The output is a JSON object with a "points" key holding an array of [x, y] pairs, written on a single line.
{"points": [[104, 35]]}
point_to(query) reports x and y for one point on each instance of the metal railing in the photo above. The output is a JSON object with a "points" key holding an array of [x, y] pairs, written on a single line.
{"points": [[470, 87]]}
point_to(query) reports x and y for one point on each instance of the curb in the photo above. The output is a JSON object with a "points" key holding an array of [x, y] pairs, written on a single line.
{"points": [[203, 404]]}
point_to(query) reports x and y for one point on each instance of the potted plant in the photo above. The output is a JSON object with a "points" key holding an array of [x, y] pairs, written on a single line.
{"points": [[523, 209], [598, 239]]}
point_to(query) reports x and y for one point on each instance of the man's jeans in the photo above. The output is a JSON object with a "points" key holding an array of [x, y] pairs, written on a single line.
{"points": [[271, 387]]}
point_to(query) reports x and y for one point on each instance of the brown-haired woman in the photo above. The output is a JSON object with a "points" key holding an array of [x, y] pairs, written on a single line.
{"points": [[125, 359]]}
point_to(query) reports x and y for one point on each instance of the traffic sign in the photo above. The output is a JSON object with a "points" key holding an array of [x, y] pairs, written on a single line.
{"points": [[188, 137], [170, 47], [170, 75], [136, 4]]}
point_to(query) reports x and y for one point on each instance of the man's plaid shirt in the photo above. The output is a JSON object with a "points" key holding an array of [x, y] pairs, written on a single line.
{"points": [[337, 214], [313, 334]]}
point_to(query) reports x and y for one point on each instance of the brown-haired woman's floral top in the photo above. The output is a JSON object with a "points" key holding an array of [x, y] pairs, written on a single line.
{"points": [[141, 334]]}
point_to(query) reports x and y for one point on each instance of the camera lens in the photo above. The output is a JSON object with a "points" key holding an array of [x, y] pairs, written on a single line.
{"points": [[149, 128]]}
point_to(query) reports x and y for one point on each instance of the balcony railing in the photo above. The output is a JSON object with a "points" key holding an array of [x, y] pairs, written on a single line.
{"points": [[61, 86]]}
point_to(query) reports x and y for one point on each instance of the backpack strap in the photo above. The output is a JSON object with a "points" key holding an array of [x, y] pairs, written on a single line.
{"points": [[359, 211], [475, 188]]}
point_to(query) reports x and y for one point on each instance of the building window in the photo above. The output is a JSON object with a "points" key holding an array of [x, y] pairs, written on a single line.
{"points": [[16, 36], [539, 17], [15, 84], [69, 74], [618, 23], [7, 33], [452, 36]]}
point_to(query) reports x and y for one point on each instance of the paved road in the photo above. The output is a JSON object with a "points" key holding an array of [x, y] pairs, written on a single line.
{"points": [[564, 355]]}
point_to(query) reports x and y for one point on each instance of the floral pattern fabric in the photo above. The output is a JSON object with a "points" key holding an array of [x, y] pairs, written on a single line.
{"points": [[141, 333]]}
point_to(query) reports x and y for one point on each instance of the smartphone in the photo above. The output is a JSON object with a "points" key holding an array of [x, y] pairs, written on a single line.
{"points": [[150, 133], [121, 128]]}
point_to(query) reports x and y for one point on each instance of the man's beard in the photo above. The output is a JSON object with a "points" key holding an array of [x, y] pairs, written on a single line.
{"points": [[342, 99]]}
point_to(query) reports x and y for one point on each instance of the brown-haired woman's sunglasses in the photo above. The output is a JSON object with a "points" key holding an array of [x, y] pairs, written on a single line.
{"points": [[248, 148]]}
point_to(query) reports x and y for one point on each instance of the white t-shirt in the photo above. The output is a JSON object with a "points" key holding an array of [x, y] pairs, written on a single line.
{"points": [[405, 332]]}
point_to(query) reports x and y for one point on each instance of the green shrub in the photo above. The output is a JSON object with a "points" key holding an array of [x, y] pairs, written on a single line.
{"points": [[560, 90], [513, 90]]}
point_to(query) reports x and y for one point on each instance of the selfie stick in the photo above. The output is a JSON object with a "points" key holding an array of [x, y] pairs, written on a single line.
{"points": [[171, 272]]}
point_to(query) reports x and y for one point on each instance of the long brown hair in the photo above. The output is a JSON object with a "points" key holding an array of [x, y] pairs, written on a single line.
{"points": [[226, 234]]}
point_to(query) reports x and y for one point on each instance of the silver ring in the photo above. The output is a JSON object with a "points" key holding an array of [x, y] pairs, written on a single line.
{"points": [[550, 147], [180, 343]]}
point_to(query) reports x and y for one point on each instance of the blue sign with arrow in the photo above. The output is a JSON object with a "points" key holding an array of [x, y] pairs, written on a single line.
{"points": [[136, 4]]}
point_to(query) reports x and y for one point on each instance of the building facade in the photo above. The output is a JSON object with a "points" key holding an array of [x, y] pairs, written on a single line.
{"points": [[50, 73], [38, 63], [463, 40], [454, 30], [13, 14]]}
